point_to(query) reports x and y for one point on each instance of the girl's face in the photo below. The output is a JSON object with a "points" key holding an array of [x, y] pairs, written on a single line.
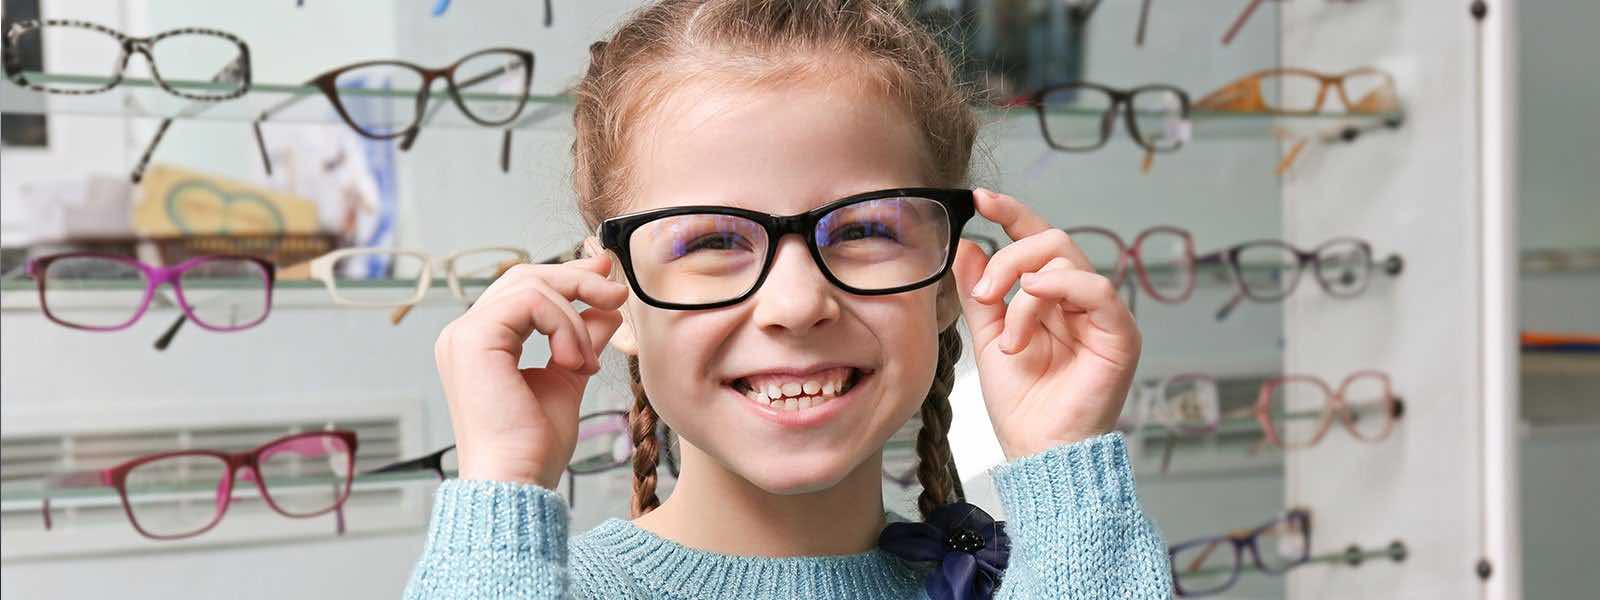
{"points": [[782, 149]]}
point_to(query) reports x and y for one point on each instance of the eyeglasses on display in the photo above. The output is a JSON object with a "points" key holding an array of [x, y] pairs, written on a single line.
{"points": [[1296, 411], [365, 276], [490, 87], [1211, 565], [1269, 270], [1162, 259], [181, 494], [190, 55], [875, 243], [105, 292], [1294, 91], [605, 442]]}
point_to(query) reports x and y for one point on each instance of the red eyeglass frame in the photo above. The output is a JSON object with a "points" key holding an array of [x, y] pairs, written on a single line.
{"points": [[117, 477]]}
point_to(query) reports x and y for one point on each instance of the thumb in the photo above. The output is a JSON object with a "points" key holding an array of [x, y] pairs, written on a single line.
{"points": [[986, 321]]}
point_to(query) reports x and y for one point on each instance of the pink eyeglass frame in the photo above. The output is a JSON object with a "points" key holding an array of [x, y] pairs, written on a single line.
{"points": [[1128, 253], [249, 461], [1336, 404]]}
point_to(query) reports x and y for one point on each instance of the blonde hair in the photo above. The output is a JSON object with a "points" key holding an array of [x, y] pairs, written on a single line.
{"points": [[763, 41]]}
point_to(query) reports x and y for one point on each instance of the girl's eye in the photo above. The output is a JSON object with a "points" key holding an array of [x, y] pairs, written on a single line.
{"points": [[862, 230], [715, 241]]}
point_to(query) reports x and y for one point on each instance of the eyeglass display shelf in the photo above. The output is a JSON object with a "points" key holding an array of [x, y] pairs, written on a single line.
{"points": [[23, 294], [142, 97], [29, 495]]}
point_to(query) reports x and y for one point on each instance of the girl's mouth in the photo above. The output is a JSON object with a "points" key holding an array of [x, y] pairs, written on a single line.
{"points": [[791, 392]]}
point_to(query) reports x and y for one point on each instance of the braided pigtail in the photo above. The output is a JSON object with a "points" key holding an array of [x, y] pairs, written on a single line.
{"points": [[642, 421], [935, 465]]}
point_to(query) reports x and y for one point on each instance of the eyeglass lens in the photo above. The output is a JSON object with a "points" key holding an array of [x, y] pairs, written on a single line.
{"points": [[876, 244], [370, 277], [1206, 567], [1297, 410], [474, 271], [1078, 118], [93, 291], [1368, 399], [306, 475], [492, 85], [225, 293], [603, 442], [364, 95], [177, 495]]}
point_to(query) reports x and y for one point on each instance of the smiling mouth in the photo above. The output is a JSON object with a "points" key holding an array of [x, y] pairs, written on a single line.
{"points": [[798, 392]]}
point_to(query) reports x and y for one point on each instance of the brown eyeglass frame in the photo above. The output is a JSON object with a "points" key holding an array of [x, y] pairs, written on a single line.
{"points": [[1244, 94], [1336, 406], [327, 83]]}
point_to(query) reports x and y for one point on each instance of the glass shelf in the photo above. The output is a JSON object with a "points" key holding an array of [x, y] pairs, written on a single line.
{"points": [[141, 97], [34, 492], [23, 294]]}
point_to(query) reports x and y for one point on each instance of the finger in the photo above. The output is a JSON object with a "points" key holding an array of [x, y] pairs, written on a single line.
{"points": [[1023, 256], [601, 324], [1010, 214], [584, 282], [1089, 293], [1025, 312], [983, 320], [578, 330], [511, 319]]}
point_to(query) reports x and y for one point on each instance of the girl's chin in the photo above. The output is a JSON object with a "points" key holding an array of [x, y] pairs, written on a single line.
{"points": [[795, 476]]}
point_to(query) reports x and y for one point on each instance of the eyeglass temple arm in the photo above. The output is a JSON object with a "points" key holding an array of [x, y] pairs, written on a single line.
{"points": [[549, 15], [233, 72], [1238, 23], [75, 479], [171, 332], [1144, 18], [282, 105], [338, 511]]}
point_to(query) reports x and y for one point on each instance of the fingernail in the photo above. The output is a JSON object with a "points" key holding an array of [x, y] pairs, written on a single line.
{"points": [[982, 289]]}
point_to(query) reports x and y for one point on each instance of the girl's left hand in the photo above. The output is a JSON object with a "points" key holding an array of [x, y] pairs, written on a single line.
{"points": [[1055, 364]]}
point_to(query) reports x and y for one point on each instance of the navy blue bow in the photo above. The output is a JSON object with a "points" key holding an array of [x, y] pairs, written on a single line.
{"points": [[971, 547]]}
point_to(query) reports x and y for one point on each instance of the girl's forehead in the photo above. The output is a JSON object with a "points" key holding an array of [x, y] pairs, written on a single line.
{"points": [[780, 149]]}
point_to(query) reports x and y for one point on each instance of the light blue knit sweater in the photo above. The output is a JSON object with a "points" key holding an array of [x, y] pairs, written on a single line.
{"points": [[1076, 530]]}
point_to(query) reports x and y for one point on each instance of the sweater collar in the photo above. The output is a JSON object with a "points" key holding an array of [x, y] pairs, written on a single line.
{"points": [[663, 565]]}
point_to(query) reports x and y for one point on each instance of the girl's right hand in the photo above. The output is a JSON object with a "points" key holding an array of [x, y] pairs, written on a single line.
{"points": [[521, 425]]}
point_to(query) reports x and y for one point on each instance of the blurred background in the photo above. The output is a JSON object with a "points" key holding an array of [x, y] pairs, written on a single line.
{"points": [[1416, 417]]}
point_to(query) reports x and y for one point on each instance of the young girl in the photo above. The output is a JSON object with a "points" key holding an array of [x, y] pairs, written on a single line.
{"points": [[776, 253]]}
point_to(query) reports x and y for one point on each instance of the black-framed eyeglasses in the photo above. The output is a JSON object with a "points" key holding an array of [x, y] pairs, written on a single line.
{"points": [[1079, 116], [1210, 565], [490, 86], [1269, 270], [605, 442], [441, 462], [875, 243], [193, 55]]}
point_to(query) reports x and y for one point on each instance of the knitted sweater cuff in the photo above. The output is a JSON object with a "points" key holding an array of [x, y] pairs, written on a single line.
{"points": [[1068, 483], [493, 518]]}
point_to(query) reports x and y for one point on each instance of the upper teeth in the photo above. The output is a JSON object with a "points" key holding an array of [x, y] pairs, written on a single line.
{"points": [[793, 393]]}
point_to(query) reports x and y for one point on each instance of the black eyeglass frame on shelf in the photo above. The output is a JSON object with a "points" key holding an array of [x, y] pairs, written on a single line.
{"points": [[1392, 265], [432, 461], [130, 45], [327, 83], [615, 235], [1121, 100]]}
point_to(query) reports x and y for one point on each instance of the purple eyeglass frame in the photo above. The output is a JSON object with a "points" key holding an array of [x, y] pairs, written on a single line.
{"points": [[249, 462], [154, 276]]}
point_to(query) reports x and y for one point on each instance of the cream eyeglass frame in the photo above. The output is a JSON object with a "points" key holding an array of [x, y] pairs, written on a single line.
{"points": [[322, 270]]}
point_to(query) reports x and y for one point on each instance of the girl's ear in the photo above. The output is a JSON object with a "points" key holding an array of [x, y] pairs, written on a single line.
{"points": [[623, 340], [948, 304]]}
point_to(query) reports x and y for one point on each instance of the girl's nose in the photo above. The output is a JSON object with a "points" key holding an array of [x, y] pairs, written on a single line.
{"points": [[795, 297]]}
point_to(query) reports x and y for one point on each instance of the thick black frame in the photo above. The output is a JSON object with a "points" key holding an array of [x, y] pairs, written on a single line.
{"points": [[615, 235], [130, 45], [1119, 98]]}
